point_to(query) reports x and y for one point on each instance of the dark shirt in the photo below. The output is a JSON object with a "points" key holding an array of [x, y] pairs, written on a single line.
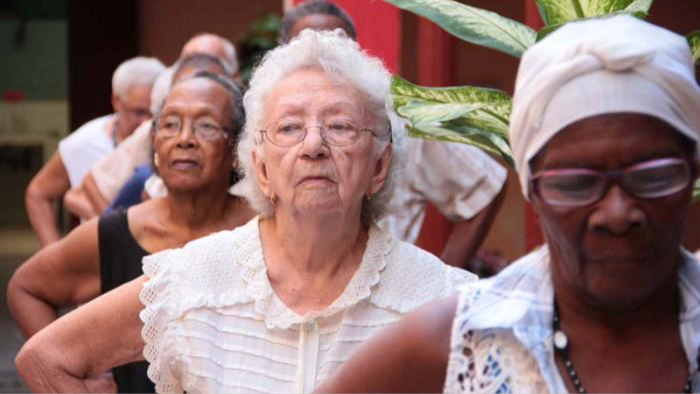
{"points": [[120, 262]]}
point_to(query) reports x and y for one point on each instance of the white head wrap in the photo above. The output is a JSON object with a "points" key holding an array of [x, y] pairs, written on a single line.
{"points": [[601, 66]]}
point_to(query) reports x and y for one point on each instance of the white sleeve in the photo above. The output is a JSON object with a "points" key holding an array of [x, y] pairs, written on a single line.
{"points": [[159, 298], [459, 179], [84, 148], [113, 171]]}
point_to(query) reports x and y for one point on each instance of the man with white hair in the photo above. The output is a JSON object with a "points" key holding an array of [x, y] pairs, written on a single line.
{"points": [[80, 151], [604, 129], [102, 184]]}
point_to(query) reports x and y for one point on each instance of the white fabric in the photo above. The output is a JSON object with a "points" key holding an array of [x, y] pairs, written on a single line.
{"points": [[601, 66], [113, 171], [460, 180], [85, 147], [212, 322], [502, 332]]}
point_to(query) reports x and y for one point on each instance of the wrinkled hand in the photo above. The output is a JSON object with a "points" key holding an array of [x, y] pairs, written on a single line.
{"points": [[103, 383]]}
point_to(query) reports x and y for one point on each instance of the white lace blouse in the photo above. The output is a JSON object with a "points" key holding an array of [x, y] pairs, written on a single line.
{"points": [[212, 322]]}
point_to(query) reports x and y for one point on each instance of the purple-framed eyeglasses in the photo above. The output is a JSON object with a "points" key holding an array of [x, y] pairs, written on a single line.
{"points": [[575, 187]]}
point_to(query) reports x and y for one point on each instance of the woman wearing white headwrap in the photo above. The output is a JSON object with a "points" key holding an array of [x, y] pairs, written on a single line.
{"points": [[604, 133]]}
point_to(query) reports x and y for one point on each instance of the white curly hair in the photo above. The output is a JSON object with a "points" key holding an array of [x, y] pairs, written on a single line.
{"points": [[341, 58]]}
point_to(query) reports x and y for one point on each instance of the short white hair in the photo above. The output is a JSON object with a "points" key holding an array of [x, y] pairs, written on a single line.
{"points": [[339, 57], [137, 71]]}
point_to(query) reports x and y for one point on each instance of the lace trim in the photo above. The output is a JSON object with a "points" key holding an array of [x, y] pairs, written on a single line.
{"points": [[155, 317], [489, 361], [258, 287]]}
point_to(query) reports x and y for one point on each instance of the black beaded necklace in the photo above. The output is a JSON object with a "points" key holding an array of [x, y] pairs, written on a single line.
{"points": [[561, 347]]}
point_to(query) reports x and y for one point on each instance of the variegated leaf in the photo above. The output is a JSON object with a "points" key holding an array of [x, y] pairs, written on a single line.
{"points": [[493, 106], [482, 140], [694, 42], [557, 12], [636, 10], [421, 112], [473, 24]]}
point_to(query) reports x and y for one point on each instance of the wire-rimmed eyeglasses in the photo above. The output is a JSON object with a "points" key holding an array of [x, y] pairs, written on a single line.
{"points": [[288, 133]]}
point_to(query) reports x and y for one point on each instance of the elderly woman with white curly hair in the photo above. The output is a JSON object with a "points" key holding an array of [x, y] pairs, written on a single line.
{"points": [[279, 304]]}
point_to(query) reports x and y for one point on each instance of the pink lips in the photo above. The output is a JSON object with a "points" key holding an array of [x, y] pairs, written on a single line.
{"points": [[315, 179]]}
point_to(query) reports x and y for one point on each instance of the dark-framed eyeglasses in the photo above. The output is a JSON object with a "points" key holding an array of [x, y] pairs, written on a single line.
{"points": [[576, 187], [287, 133], [204, 128]]}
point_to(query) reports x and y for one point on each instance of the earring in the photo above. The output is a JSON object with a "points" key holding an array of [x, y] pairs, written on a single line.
{"points": [[369, 196], [156, 160]]}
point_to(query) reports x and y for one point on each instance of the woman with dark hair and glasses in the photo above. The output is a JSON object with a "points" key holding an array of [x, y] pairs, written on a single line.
{"points": [[194, 140], [604, 131]]}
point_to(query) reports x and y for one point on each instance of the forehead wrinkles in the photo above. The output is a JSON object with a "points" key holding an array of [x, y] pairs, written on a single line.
{"points": [[303, 97], [196, 100]]}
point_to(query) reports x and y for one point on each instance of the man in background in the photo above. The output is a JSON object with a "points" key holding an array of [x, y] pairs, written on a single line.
{"points": [[81, 150]]}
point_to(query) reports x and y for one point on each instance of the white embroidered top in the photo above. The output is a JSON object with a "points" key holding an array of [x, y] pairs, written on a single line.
{"points": [[212, 322], [502, 333]]}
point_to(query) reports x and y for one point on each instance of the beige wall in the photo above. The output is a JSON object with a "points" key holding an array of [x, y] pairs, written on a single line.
{"points": [[165, 25]]}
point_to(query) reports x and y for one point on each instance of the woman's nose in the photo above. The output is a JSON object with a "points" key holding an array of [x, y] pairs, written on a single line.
{"points": [[617, 212], [186, 137], [313, 145]]}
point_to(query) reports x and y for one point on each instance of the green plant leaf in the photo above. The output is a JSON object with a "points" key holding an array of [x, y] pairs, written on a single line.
{"points": [[421, 112], [558, 12], [694, 42], [475, 25], [488, 142], [696, 191], [491, 107]]}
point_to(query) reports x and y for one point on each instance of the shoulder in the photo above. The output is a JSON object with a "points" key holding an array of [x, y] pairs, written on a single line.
{"points": [[210, 264], [503, 300], [90, 128], [413, 277]]}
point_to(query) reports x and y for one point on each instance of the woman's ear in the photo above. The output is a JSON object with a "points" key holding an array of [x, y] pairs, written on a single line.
{"points": [[116, 103], [261, 173], [381, 170]]}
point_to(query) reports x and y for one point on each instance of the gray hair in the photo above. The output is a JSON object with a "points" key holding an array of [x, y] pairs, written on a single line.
{"points": [[314, 7], [137, 71], [339, 57]]}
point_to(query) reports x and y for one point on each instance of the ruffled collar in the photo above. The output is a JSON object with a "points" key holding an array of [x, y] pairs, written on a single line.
{"points": [[253, 271]]}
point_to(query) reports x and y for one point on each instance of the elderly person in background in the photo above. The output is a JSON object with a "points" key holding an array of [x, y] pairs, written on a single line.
{"points": [[604, 130], [194, 142], [315, 15], [278, 304], [136, 150], [80, 151], [463, 182], [102, 184]]}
